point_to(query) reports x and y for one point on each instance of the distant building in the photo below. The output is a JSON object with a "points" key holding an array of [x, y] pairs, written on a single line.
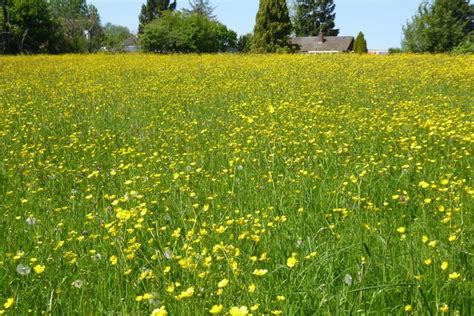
{"points": [[130, 44], [322, 44], [378, 52]]}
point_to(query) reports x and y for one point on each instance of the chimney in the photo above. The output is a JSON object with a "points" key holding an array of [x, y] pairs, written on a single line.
{"points": [[321, 38]]}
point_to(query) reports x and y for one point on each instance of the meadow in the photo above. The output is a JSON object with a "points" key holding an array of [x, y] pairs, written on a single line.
{"points": [[226, 184]]}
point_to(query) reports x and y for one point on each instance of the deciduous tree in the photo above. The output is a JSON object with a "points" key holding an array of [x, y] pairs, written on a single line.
{"points": [[439, 26]]}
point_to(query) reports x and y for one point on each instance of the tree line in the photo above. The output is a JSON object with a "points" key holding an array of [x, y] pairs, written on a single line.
{"points": [[56, 26], [73, 26]]}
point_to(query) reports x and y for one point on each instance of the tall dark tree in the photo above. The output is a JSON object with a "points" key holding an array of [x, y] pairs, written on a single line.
{"points": [[203, 8], [360, 45], [154, 9], [5, 28], [314, 16], [438, 27], [272, 27], [95, 32]]}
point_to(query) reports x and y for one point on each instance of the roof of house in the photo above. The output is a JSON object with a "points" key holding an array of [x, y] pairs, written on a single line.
{"points": [[330, 43], [131, 41]]}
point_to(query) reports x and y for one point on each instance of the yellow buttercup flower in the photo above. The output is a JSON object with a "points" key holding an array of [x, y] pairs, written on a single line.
{"points": [[159, 312], [38, 269], [223, 283], [239, 311], [401, 230], [291, 262], [444, 265], [424, 184], [444, 309], [9, 303], [113, 260], [216, 309], [260, 272]]}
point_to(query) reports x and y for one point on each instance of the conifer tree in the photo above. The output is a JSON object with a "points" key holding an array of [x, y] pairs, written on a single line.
{"points": [[272, 28], [360, 45], [314, 16], [154, 9], [202, 8]]}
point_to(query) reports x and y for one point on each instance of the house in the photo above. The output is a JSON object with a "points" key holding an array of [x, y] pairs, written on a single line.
{"points": [[130, 44], [322, 44]]}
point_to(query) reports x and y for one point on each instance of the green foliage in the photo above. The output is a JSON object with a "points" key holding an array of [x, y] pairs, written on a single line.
{"points": [[314, 16], [81, 29], [203, 8], [244, 44], [114, 36], [94, 29], [438, 26], [154, 9], [467, 46], [394, 50], [32, 27], [272, 28], [360, 45], [186, 33], [71, 9]]}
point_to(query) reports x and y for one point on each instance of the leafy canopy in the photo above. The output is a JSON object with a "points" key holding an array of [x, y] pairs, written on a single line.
{"points": [[439, 26], [181, 32]]}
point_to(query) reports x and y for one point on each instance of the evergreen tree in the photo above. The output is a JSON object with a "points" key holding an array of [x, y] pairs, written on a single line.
{"points": [[314, 16], [154, 9], [360, 45], [272, 27], [202, 8], [439, 26]]}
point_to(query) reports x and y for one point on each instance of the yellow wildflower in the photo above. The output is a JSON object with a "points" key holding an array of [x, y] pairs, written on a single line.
{"points": [[113, 260], [239, 311], [260, 272], [291, 261], [159, 312], [216, 309], [39, 269], [444, 265], [223, 283], [9, 303]]}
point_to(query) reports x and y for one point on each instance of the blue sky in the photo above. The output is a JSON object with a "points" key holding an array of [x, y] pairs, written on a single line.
{"points": [[380, 20]]}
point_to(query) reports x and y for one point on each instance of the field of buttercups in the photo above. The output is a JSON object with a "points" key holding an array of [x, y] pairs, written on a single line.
{"points": [[238, 185]]}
